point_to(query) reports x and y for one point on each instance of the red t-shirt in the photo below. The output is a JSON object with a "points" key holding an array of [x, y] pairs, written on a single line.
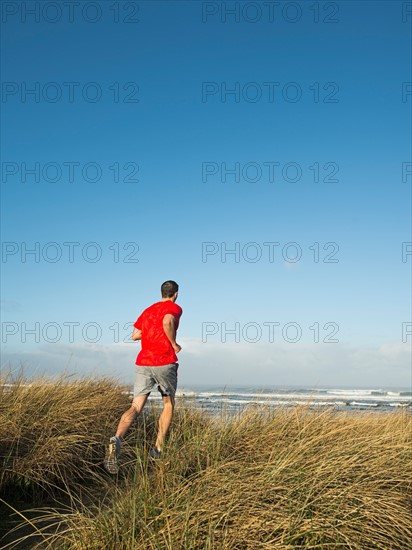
{"points": [[156, 348]]}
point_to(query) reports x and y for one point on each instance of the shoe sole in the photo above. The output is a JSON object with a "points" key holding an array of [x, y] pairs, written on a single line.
{"points": [[110, 461]]}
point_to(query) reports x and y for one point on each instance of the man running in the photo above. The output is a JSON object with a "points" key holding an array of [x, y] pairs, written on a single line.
{"points": [[156, 364]]}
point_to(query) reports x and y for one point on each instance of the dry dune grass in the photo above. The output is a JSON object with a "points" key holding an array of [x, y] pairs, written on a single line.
{"points": [[50, 431], [289, 478]]}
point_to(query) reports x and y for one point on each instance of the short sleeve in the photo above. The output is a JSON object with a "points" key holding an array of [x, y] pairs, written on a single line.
{"points": [[177, 313], [138, 323]]}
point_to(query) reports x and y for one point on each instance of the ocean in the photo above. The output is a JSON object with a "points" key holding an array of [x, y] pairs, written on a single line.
{"points": [[214, 398]]}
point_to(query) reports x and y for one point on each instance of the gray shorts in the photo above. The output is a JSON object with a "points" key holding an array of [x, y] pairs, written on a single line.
{"points": [[165, 377]]}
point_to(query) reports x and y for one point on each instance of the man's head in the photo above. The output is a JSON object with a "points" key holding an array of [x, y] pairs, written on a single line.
{"points": [[169, 290]]}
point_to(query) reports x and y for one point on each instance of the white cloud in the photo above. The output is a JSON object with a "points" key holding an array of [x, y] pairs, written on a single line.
{"points": [[114, 360], [234, 363]]}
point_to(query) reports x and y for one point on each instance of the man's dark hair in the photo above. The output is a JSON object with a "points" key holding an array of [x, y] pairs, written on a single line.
{"points": [[168, 288]]}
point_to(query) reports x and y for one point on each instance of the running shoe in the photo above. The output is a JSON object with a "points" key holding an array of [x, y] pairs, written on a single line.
{"points": [[112, 454], [155, 453]]}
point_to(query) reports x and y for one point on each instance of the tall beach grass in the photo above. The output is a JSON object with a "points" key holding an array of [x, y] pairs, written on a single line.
{"points": [[263, 478]]}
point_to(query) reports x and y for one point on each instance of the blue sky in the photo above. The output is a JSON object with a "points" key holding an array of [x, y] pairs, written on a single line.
{"points": [[337, 106]]}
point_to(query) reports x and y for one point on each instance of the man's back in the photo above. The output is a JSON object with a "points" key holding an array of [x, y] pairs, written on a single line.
{"points": [[156, 347]]}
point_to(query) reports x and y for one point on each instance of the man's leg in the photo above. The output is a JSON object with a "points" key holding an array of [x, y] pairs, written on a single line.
{"points": [[165, 420], [113, 449], [130, 415]]}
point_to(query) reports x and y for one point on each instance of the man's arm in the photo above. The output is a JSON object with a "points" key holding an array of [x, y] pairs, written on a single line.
{"points": [[137, 334], [170, 331]]}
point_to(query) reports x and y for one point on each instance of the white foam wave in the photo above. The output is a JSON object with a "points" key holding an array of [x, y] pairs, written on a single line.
{"points": [[346, 395]]}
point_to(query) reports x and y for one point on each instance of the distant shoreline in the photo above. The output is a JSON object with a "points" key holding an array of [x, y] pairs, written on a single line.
{"points": [[345, 399], [214, 399]]}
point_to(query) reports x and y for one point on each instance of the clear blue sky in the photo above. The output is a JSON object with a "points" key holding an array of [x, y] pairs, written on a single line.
{"points": [[349, 112]]}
